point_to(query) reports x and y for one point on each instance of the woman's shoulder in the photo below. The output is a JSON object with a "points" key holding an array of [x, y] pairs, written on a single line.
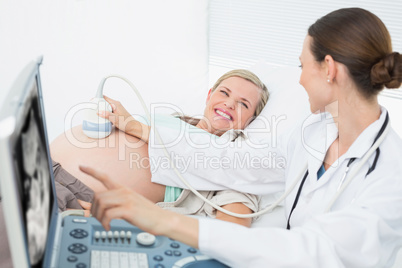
{"points": [[393, 144]]}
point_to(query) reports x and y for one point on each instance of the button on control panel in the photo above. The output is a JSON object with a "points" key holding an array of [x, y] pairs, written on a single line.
{"points": [[77, 248], [79, 233]]}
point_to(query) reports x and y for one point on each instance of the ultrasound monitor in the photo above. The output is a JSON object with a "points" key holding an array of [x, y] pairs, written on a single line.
{"points": [[26, 180]]}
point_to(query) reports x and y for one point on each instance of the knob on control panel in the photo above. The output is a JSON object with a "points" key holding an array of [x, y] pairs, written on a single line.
{"points": [[129, 234], [97, 235], [110, 234], [145, 239]]}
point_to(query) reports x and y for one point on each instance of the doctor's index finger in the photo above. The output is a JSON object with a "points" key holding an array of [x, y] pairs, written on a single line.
{"points": [[100, 176]]}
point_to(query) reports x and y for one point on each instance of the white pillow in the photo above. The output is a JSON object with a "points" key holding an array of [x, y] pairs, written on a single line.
{"points": [[287, 104]]}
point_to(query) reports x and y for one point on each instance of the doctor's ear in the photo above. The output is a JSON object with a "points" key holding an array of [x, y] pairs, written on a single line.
{"points": [[330, 68], [209, 95]]}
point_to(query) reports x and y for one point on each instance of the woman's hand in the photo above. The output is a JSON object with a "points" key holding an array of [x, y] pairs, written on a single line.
{"points": [[120, 118], [120, 202], [124, 121]]}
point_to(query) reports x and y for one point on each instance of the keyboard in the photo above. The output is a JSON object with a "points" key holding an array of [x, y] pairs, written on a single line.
{"points": [[118, 259]]}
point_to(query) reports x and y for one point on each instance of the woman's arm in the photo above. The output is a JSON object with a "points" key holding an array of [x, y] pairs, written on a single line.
{"points": [[124, 121], [236, 208]]}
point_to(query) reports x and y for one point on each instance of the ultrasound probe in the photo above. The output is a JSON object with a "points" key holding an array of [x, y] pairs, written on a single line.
{"points": [[93, 125]]}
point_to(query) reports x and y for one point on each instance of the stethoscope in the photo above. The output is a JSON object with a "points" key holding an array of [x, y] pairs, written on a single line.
{"points": [[375, 146]]}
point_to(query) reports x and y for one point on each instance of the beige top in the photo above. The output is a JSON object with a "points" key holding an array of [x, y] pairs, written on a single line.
{"points": [[189, 204]]}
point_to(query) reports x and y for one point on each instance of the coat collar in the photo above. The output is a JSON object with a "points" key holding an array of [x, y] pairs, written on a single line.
{"points": [[319, 131]]}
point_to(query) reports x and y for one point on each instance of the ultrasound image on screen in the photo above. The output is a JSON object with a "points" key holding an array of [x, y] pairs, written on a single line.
{"points": [[35, 184]]}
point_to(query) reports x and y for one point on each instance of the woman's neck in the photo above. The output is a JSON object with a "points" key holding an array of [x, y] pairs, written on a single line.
{"points": [[202, 124], [353, 116]]}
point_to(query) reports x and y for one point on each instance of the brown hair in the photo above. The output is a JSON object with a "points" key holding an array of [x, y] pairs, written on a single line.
{"points": [[358, 39], [251, 77]]}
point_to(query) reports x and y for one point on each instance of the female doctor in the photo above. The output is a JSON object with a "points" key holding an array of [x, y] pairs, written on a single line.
{"points": [[345, 210]]}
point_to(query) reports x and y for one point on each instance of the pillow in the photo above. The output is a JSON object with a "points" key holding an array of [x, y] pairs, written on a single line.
{"points": [[288, 102]]}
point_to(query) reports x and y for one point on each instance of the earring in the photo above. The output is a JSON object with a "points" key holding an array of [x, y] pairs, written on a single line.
{"points": [[328, 81]]}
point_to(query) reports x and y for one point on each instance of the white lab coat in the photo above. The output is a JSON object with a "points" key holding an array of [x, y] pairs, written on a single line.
{"points": [[362, 229]]}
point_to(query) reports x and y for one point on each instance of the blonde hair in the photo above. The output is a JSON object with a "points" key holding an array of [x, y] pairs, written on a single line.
{"points": [[251, 77]]}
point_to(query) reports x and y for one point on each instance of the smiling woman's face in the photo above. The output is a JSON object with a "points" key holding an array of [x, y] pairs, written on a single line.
{"points": [[232, 105]]}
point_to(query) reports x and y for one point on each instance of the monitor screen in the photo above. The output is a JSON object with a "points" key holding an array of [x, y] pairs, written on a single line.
{"points": [[26, 182], [34, 180]]}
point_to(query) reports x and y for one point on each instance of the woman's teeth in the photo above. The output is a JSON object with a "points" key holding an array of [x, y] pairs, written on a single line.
{"points": [[223, 114]]}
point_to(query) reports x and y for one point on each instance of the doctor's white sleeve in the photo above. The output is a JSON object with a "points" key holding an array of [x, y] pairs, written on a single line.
{"points": [[367, 233], [255, 167]]}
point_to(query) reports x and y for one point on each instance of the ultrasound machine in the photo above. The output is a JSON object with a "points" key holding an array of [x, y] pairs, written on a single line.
{"points": [[38, 234]]}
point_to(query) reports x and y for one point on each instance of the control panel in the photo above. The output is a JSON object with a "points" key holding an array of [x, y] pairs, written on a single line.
{"points": [[86, 244]]}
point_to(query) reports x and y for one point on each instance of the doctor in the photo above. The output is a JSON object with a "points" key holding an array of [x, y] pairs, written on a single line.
{"points": [[334, 220]]}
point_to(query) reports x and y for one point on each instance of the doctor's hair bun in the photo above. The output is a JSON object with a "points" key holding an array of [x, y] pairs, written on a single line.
{"points": [[359, 40], [387, 72]]}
